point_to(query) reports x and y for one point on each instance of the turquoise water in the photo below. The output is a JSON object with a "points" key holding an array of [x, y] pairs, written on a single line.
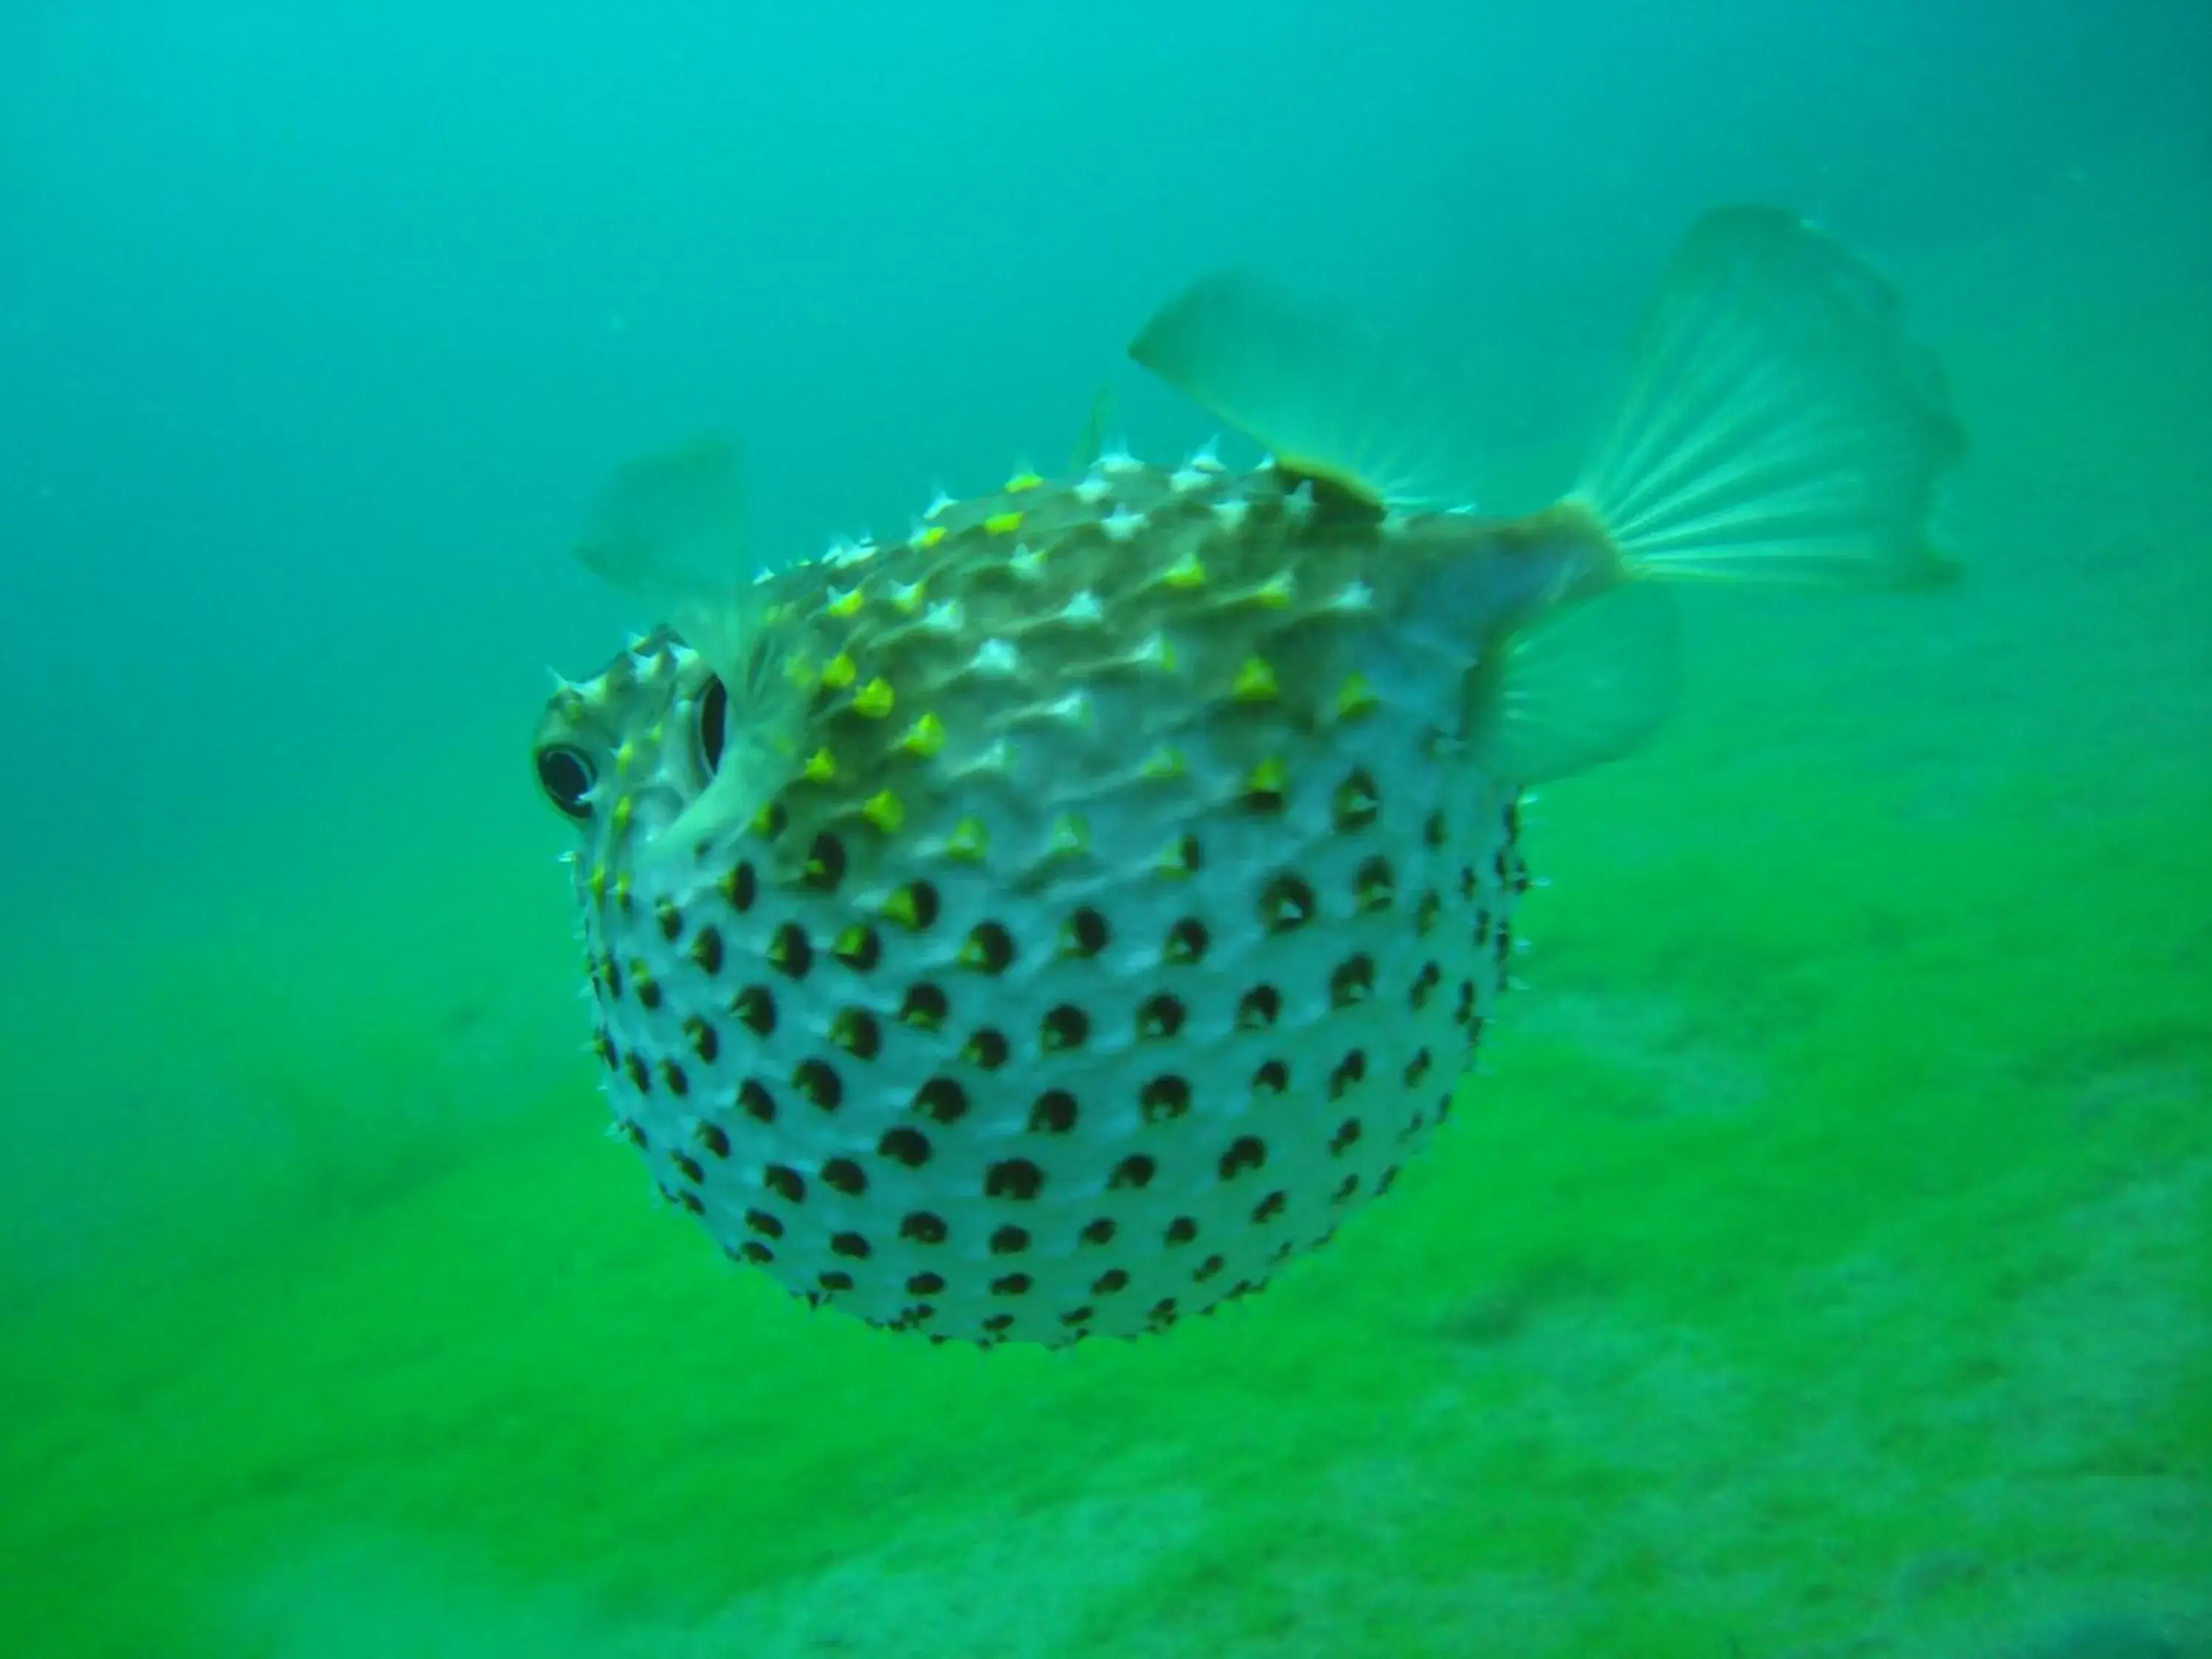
{"points": [[1822, 1265]]}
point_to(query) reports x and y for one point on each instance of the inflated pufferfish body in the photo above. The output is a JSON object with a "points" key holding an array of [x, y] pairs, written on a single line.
{"points": [[1051, 924]]}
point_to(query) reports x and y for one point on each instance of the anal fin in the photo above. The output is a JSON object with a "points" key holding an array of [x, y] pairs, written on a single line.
{"points": [[1579, 686]]}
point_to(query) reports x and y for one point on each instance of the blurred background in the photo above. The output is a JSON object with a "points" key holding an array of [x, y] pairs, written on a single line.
{"points": [[334, 1328]]}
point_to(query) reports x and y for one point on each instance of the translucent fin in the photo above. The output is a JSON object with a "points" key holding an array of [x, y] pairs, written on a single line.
{"points": [[1092, 443], [1777, 424], [669, 530], [1582, 685], [1323, 393]]}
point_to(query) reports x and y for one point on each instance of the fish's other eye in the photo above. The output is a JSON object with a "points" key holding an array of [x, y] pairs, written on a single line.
{"points": [[714, 716], [566, 777]]}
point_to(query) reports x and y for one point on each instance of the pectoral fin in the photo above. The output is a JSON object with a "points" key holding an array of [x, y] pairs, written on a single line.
{"points": [[668, 530]]}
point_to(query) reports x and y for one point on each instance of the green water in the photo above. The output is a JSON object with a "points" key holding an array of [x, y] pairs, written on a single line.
{"points": [[1824, 1260], [1822, 1265]]}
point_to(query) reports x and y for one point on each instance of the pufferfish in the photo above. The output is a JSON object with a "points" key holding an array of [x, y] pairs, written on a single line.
{"points": [[1051, 924]]}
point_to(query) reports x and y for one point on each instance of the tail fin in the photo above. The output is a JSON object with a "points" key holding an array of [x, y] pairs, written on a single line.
{"points": [[1778, 424]]}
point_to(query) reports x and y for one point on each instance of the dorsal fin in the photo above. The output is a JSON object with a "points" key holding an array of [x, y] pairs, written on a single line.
{"points": [[1333, 500], [1317, 387]]}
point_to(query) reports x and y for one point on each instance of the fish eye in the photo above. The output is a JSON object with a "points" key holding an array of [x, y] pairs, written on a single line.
{"points": [[713, 715], [566, 777]]}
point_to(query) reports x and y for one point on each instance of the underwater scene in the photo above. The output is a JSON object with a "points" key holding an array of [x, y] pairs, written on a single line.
{"points": [[1371, 831]]}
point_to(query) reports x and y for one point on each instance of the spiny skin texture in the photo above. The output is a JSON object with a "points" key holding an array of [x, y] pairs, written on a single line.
{"points": [[1051, 924], [1131, 911]]}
